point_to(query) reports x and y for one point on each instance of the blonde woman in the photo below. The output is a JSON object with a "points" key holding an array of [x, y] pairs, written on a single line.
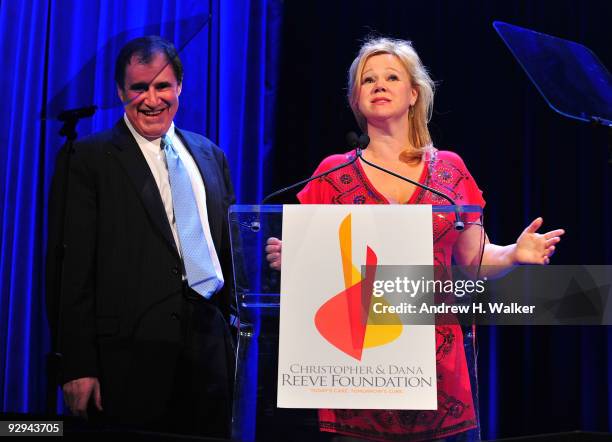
{"points": [[391, 95]]}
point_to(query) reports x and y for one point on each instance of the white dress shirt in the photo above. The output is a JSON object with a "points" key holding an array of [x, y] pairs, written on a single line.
{"points": [[157, 163]]}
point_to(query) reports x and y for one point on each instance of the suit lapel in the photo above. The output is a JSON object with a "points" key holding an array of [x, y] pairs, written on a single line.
{"points": [[132, 159]]}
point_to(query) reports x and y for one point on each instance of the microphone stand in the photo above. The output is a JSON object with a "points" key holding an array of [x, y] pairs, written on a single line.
{"points": [[70, 118]]}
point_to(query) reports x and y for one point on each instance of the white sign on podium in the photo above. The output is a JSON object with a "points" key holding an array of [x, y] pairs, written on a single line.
{"points": [[331, 354]]}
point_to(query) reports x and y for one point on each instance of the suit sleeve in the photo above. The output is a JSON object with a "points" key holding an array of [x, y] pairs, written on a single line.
{"points": [[228, 182], [72, 310], [226, 253]]}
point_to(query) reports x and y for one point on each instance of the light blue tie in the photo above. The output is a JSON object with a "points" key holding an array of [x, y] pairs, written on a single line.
{"points": [[201, 274]]}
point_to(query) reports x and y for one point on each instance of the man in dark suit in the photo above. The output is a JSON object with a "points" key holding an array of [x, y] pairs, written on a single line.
{"points": [[144, 342]]}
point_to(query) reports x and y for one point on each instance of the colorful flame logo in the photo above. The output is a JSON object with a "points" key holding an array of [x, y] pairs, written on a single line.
{"points": [[346, 320]]}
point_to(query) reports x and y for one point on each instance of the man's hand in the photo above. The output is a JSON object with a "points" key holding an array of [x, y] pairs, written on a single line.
{"points": [[78, 392]]}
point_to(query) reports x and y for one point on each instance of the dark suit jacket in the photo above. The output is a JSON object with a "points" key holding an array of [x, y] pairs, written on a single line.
{"points": [[121, 300]]}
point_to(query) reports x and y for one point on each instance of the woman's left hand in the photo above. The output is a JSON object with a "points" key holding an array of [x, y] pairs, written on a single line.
{"points": [[274, 253], [536, 248]]}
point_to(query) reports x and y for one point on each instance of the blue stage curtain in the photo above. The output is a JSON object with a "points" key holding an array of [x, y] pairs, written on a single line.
{"points": [[60, 54]]}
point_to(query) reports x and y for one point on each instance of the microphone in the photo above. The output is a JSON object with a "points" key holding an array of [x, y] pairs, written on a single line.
{"points": [[357, 142], [76, 114], [70, 118], [363, 141], [352, 140]]}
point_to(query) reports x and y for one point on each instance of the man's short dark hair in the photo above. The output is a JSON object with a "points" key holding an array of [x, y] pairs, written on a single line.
{"points": [[144, 49]]}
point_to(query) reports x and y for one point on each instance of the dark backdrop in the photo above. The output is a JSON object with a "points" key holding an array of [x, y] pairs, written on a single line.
{"points": [[529, 161]]}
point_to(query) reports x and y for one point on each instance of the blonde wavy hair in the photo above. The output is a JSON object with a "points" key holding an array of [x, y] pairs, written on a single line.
{"points": [[420, 113]]}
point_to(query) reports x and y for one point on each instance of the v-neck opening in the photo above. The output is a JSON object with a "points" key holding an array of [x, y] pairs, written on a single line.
{"points": [[374, 190]]}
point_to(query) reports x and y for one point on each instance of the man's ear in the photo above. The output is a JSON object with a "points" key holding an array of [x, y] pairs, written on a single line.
{"points": [[121, 93], [179, 89]]}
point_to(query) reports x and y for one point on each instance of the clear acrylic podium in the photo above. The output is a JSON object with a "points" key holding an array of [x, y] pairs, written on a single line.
{"points": [[255, 414]]}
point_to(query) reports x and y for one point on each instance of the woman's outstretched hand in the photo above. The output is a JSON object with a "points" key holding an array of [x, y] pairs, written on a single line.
{"points": [[274, 248], [536, 248]]}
